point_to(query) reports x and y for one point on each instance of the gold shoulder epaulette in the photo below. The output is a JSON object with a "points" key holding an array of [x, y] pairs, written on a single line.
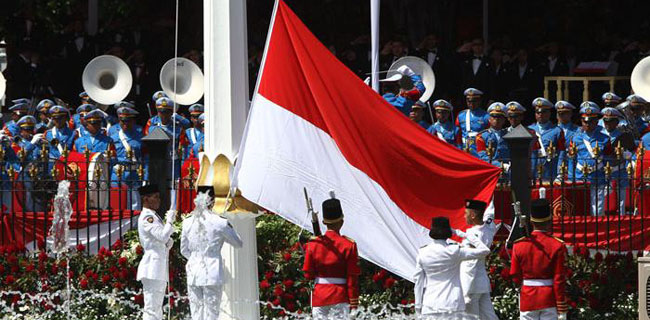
{"points": [[558, 239], [520, 239], [312, 238], [351, 240]]}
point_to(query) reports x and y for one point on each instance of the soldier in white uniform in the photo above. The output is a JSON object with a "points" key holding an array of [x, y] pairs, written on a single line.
{"points": [[155, 238], [438, 292], [202, 237], [473, 275]]}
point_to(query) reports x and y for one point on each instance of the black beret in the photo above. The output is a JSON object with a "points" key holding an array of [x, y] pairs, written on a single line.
{"points": [[475, 204], [148, 189]]}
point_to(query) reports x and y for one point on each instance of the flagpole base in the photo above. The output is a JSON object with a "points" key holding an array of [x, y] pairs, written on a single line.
{"points": [[241, 292]]}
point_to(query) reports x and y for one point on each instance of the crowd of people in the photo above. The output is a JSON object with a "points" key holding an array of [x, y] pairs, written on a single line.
{"points": [[601, 150], [56, 131]]}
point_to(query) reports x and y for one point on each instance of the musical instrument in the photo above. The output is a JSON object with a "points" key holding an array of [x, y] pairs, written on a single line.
{"points": [[3, 85], [182, 80], [89, 178], [421, 68], [107, 79], [640, 78]]}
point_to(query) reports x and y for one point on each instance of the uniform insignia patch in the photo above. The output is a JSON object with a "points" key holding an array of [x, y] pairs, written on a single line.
{"points": [[150, 219]]}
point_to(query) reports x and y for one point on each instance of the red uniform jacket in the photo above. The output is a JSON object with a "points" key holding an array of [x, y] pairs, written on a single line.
{"points": [[541, 256], [333, 256]]}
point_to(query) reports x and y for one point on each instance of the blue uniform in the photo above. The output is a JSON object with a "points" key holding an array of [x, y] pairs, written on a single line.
{"points": [[31, 151], [546, 134], [133, 139], [198, 147], [180, 140], [65, 136], [12, 129], [446, 131], [97, 143], [402, 103], [469, 129], [194, 136], [494, 138], [569, 130], [585, 144]]}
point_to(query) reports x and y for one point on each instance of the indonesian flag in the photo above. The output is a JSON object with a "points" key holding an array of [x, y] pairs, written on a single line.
{"points": [[314, 124]]}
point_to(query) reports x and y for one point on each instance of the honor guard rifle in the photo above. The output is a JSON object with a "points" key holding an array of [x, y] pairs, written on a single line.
{"points": [[314, 214]]}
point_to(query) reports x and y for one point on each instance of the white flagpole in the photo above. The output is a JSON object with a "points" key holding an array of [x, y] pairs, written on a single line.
{"points": [[374, 35]]}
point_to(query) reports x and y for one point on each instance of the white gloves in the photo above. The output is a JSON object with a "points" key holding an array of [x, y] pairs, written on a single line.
{"points": [[169, 244], [37, 137], [458, 233], [405, 70], [170, 216], [561, 316]]}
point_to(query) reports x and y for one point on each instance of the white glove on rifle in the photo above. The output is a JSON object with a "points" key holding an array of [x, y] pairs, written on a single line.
{"points": [[170, 216], [405, 70], [169, 244], [561, 316]]}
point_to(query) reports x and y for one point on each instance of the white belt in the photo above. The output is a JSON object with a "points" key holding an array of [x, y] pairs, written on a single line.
{"points": [[538, 282], [320, 280]]}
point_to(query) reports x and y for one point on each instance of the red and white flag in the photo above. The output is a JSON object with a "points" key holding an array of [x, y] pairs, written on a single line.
{"points": [[315, 124]]}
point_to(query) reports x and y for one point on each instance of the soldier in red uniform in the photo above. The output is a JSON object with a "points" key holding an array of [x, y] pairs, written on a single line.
{"points": [[333, 262], [538, 263]]}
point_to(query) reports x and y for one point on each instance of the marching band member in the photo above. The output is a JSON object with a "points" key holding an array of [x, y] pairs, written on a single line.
{"points": [[60, 136], [127, 139], [444, 127], [198, 147], [438, 291], [547, 135], [164, 120], [23, 141], [564, 110], [96, 139], [333, 261], [515, 114], [111, 128], [43, 114], [493, 137], [194, 134], [79, 125], [473, 275], [610, 99], [472, 120], [591, 147], [610, 119], [637, 105], [539, 261], [202, 237], [84, 98], [417, 114], [400, 98], [18, 110], [155, 239], [77, 118]]}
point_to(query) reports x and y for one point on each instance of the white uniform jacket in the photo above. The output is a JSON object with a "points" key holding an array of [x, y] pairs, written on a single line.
{"points": [[473, 275], [154, 236], [201, 244], [437, 275]]}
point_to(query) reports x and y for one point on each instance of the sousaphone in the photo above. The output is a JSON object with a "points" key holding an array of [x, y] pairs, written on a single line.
{"points": [[421, 68], [640, 79], [107, 79], [182, 80]]}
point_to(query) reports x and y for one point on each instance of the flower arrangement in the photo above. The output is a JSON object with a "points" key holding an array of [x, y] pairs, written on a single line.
{"points": [[33, 286]]}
